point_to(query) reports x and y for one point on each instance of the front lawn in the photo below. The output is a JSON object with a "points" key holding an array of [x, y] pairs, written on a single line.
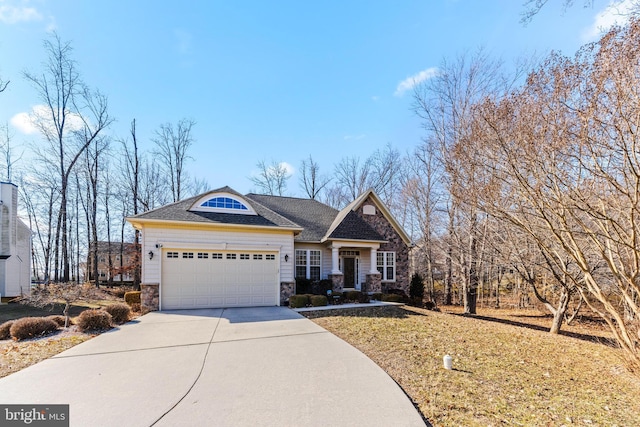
{"points": [[506, 371]]}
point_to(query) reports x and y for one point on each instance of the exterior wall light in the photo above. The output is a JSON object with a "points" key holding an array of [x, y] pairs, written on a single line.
{"points": [[286, 258], [150, 254]]}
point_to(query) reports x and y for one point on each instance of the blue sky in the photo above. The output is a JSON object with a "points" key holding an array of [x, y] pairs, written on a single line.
{"points": [[270, 80]]}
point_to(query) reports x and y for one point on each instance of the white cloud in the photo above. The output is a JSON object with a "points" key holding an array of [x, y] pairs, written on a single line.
{"points": [[28, 122], [375, 98], [410, 82], [617, 12], [286, 166], [10, 14]]}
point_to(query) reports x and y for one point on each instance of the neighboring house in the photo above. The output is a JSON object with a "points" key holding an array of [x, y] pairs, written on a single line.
{"points": [[122, 265], [223, 249], [15, 245]]}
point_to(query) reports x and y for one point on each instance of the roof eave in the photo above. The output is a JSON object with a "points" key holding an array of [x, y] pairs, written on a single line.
{"points": [[139, 222]]}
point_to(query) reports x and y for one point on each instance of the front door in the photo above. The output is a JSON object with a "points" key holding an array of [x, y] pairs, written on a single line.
{"points": [[349, 271]]}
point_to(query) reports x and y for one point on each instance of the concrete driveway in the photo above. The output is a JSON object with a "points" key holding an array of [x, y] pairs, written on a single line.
{"points": [[219, 367]]}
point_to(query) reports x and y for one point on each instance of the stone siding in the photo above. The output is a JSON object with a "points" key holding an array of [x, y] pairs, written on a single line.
{"points": [[286, 290], [372, 283], [338, 282], [395, 243], [150, 296]]}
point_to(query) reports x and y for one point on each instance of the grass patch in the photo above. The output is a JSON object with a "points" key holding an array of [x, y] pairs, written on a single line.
{"points": [[504, 373], [15, 356]]}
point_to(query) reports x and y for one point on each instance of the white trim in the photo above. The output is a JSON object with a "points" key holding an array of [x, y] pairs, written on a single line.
{"points": [[220, 246], [198, 208]]}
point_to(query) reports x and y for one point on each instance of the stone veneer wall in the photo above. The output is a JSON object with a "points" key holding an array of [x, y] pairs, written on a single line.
{"points": [[395, 243], [373, 283], [150, 296], [286, 290], [338, 282]]}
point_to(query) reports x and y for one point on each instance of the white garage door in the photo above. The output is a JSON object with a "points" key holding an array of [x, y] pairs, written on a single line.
{"points": [[203, 279]]}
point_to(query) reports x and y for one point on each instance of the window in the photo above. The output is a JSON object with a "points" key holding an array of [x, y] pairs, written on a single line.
{"points": [[225, 203], [245, 256], [270, 257], [257, 256], [203, 255], [172, 254], [187, 254], [387, 265], [231, 256], [308, 264], [216, 256]]}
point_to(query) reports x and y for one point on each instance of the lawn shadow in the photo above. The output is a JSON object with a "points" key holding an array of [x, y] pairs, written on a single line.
{"points": [[609, 342], [396, 312]]}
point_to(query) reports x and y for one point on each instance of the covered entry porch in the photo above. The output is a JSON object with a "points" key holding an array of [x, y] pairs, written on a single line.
{"points": [[354, 266]]}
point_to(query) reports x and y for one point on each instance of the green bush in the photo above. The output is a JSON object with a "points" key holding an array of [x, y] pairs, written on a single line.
{"points": [[30, 327], [353, 295], [132, 297], [377, 296], [318, 301], [416, 287], [416, 301], [303, 286], [5, 334], [298, 301], [392, 298], [120, 313], [321, 287], [60, 320], [92, 320], [363, 298]]}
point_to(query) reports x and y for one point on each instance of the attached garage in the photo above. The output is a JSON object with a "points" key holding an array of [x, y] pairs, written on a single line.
{"points": [[209, 278]]}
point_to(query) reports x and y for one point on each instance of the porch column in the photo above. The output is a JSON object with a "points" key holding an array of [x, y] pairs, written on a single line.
{"points": [[373, 269], [335, 263]]}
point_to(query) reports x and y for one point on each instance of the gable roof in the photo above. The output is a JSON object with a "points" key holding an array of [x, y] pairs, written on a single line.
{"points": [[357, 203], [313, 221], [181, 212]]}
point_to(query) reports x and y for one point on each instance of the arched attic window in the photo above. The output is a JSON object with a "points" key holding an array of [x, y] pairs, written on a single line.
{"points": [[223, 203]]}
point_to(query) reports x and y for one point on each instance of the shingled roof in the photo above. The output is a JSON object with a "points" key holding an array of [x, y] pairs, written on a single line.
{"points": [[316, 218], [179, 211], [315, 221]]}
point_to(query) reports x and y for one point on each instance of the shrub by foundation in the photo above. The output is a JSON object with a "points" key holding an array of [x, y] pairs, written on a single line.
{"points": [[392, 298], [59, 320], [298, 301], [120, 312], [31, 327], [91, 320], [5, 334], [352, 295], [136, 307], [318, 301], [377, 296], [132, 297]]}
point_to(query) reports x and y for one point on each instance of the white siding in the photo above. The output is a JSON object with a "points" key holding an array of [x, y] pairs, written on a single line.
{"points": [[192, 237]]}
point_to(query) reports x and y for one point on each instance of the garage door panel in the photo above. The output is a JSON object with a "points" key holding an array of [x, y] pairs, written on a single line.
{"points": [[218, 279]]}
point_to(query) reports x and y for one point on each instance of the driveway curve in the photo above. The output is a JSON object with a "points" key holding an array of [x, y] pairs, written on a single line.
{"points": [[219, 367]]}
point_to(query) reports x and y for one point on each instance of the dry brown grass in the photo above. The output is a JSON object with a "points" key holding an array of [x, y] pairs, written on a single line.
{"points": [[15, 356], [505, 372]]}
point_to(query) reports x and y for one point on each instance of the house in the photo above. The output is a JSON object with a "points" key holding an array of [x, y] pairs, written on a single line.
{"points": [[117, 262], [15, 245], [223, 249]]}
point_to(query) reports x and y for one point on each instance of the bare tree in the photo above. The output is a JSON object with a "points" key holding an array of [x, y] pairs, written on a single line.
{"points": [[271, 178], [311, 181], [132, 171], [7, 153], [445, 105], [172, 148], [563, 151], [75, 116]]}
